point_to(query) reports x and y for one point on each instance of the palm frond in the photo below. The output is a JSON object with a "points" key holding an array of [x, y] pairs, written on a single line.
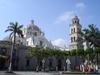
{"points": [[8, 30], [19, 32], [11, 23], [11, 27], [15, 28], [16, 25], [20, 26]]}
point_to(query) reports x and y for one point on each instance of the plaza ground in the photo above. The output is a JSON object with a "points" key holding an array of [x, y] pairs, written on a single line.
{"points": [[38, 73]]}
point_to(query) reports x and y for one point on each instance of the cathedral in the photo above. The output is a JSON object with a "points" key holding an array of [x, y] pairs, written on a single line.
{"points": [[34, 36]]}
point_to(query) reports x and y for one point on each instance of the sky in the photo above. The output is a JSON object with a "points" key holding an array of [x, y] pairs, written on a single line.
{"points": [[51, 16]]}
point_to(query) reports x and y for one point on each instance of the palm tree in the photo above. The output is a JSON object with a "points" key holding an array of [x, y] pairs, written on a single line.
{"points": [[97, 52], [94, 33], [14, 28], [80, 54], [89, 51], [90, 35], [84, 36]]}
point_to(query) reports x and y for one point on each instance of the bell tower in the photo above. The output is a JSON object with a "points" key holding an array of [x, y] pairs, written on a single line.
{"points": [[74, 35]]}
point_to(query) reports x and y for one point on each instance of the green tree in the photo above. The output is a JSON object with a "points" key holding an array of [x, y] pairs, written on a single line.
{"points": [[64, 55], [80, 53], [84, 37], [40, 53], [89, 52], [14, 28], [73, 52], [97, 52], [90, 35], [35, 52], [50, 52], [94, 35]]}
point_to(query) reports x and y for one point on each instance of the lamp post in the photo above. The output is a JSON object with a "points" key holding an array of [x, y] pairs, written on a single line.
{"points": [[43, 61], [68, 64]]}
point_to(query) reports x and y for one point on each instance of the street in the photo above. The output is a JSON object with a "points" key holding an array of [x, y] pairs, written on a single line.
{"points": [[38, 73]]}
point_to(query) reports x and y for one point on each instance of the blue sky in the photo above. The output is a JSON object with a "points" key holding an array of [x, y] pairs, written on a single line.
{"points": [[52, 16]]}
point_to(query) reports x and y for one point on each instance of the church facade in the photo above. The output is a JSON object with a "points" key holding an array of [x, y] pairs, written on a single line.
{"points": [[33, 36]]}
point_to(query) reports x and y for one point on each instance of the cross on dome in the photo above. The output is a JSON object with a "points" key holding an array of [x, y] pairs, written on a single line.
{"points": [[32, 21]]}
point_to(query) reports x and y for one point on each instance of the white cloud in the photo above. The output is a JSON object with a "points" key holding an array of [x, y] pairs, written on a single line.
{"points": [[59, 42], [65, 17], [80, 5]]}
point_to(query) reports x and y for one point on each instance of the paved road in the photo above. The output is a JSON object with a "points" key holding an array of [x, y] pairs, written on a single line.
{"points": [[39, 73]]}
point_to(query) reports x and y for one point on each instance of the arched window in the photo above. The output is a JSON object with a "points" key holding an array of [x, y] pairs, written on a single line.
{"points": [[75, 21], [71, 39], [35, 33], [71, 31], [74, 39], [74, 30], [50, 64], [40, 64], [27, 62], [3, 51]]}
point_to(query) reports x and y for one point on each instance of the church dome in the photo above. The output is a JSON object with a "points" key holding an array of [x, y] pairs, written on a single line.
{"points": [[75, 17], [6, 38], [34, 27]]}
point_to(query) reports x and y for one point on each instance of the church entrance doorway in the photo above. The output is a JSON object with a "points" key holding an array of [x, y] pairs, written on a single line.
{"points": [[2, 63], [59, 64]]}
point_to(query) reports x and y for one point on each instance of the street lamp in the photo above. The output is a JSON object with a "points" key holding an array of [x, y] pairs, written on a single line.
{"points": [[43, 61], [68, 64]]}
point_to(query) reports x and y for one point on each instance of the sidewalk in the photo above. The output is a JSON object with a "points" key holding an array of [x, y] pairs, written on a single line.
{"points": [[48, 73]]}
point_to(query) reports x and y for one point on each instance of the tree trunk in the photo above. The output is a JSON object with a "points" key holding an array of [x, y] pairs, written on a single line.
{"points": [[88, 58], [12, 48], [97, 59], [37, 69], [88, 62], [80, 63]]}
